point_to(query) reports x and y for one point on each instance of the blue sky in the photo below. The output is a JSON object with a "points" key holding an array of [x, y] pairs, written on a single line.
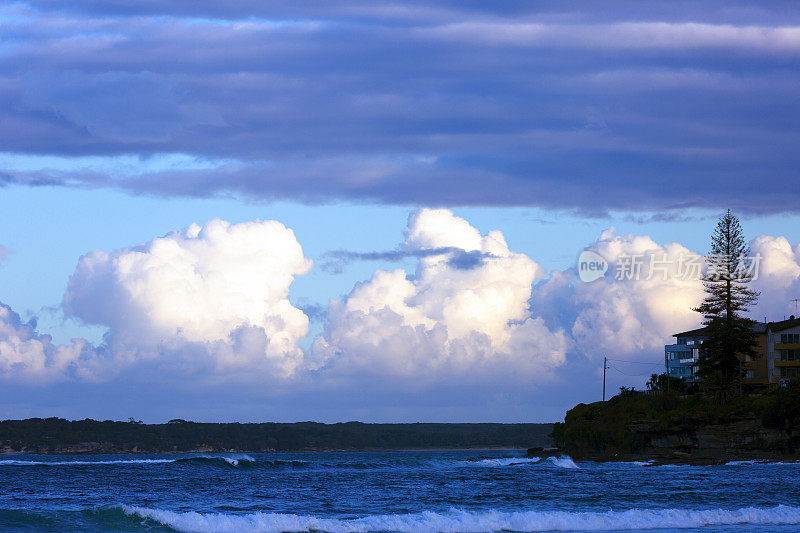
{"points": [[121, 123]]}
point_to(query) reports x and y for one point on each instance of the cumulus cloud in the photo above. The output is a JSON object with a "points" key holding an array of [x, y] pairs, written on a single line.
{"points": [[778, 277], [28, 356], [634, 315], [213, 297], [646, 296], [444, 320], [213, 301]]}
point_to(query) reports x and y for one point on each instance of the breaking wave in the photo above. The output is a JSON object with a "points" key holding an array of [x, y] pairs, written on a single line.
{"points": [[15, 462], [459, 520], [564, 461], [219, 460], [237, 461], [503, 461], [751, 462]]}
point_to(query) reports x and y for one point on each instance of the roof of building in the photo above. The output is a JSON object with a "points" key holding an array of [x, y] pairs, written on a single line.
{"points": [[690, 333], [758, 327], [784, 324]]}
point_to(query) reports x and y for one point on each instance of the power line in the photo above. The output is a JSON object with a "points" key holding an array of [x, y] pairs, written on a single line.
{"points": [[634, 362], [629, 374]]}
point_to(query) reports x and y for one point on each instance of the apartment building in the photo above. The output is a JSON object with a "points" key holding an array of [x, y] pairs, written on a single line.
{"points": [[783, 349], [681, 358]]}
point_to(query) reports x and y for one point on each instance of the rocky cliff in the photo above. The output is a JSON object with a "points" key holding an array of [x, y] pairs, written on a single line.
{"points": [[684, 429]]}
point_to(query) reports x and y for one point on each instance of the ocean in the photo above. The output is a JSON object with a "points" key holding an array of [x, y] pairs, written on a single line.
{"points": [[420, 491]]}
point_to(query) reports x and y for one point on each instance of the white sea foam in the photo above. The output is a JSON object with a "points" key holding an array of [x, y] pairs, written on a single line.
{"points": [[72, 463], [761, 462], [651, 462], [565, 461], [459, 520], [504, 461], [232, 460]]}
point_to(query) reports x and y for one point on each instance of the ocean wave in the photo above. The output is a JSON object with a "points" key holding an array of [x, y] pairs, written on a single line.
{"points": [[564, 461], [15, 462], [751, 462], [461, 520], [503, 461], [235, 461]]}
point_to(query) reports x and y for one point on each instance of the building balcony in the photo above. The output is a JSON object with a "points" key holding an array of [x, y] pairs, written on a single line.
{"points": [[779, 346], [677, 348], [778, 362]]}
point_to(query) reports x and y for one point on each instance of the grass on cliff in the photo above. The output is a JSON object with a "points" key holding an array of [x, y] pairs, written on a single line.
{"points": [[609, 428]]}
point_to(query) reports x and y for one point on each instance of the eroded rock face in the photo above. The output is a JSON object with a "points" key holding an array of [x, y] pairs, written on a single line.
{"points": [[740, 439]]}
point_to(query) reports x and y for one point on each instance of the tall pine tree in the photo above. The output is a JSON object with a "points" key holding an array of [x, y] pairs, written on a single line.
{"points": [[730, 336]]}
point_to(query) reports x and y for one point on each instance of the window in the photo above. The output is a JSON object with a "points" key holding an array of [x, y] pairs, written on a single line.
{"points": [[790, 338], [751, 374], [789, 372]]}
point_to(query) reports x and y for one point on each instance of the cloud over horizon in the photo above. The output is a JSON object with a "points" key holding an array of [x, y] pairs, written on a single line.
{"points": [[213, 298], [444, 321], [210, 305], [29, 357], [634, 106]]}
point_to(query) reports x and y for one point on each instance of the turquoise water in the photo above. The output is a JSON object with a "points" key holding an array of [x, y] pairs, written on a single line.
{"points": [[388, 491]]}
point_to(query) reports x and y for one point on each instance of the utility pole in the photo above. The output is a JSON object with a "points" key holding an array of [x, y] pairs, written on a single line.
{"points": [[605, 365]]}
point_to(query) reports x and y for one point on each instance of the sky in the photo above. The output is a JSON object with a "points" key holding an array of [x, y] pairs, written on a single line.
{"points": [[373, 211]]}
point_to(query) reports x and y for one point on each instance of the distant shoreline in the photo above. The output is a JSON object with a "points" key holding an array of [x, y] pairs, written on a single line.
{"points": [[54, 436], [362, 450]]}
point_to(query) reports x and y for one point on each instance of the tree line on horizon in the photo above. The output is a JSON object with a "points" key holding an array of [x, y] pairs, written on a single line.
{"points": [[58, 435]]}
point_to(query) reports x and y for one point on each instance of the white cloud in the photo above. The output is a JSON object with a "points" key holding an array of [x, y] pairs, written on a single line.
{"points": [[778, 276], [214, 297], [213, 301], [445, 319], [617, 317], [27, 356]]}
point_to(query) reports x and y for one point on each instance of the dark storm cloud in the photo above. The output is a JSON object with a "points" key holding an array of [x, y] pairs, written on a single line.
{"points": [[635, 106]]}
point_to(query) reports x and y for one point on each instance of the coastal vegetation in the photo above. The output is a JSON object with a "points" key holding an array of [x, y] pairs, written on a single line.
{"points": [[670, 425], [730, 336], [56, 435]]}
